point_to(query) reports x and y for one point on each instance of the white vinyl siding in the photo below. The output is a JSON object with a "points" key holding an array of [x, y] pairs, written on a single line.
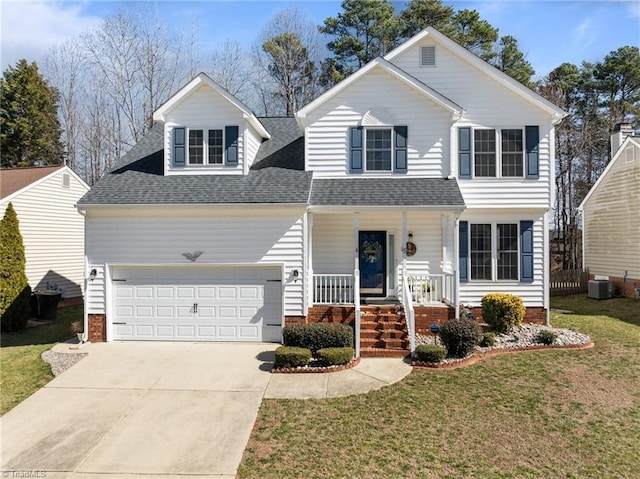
{"points": [[532, 293], [612, 220], [253, 144], [204, 109], [53, 233], [326, 136], [227, 236]]}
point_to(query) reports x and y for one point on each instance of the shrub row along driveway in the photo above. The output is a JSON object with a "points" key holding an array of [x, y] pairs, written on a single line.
{"points": [[152, 408]]}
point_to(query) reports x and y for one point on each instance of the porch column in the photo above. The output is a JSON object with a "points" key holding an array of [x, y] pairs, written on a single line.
{"points": [[405, 233], [356, 281], [456, 267], [309, 255]]}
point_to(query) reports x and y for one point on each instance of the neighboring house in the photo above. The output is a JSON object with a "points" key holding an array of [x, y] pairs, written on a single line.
{"points": [[52, 228], [427, 170], [611, 216]]}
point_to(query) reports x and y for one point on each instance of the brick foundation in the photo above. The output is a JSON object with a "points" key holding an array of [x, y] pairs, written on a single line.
{"points": [[97, 328], [622, 287]]}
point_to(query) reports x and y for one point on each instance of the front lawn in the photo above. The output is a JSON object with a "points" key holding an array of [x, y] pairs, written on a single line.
{"points": [[23, 371], [551, 414]]}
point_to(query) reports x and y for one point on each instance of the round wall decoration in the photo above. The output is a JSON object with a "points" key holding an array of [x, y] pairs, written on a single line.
{"points": [[411, 248]]}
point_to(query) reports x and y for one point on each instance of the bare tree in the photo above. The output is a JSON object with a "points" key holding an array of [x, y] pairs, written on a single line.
{"points": [[230, 67]]}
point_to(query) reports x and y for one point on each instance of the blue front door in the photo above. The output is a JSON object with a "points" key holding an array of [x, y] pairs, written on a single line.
{"points": [[373, 263]]}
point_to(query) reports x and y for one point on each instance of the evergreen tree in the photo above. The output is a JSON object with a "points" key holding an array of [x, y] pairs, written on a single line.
{"points": [[29, 127], [420, 14], [476, 35], [511, 61], [15, 293]]}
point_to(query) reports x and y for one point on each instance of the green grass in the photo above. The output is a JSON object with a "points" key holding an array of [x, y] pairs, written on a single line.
{"points": [[551, 414], [23, 371]]}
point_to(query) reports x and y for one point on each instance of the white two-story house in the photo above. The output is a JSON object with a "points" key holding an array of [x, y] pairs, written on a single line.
{"points": [[421, 182]]}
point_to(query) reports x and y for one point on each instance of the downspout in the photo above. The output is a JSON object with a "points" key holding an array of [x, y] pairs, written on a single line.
{"points": [[85, 310]]}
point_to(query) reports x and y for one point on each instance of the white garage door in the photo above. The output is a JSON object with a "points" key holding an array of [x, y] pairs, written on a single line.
{"points": [[201, 304]]}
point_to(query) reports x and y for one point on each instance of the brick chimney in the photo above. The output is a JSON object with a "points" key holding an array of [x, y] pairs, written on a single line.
{"points": [[620, 132]]}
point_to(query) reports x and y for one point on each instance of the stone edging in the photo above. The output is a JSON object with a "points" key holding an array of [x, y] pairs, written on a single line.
{"points": [[477, 356], [324, 369]]}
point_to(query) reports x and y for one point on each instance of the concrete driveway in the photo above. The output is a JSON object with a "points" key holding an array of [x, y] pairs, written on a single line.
{"points": [[141, 409]]}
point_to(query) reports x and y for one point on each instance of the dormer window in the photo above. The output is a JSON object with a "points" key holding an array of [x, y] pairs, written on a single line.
{"points": [[205, 147]]}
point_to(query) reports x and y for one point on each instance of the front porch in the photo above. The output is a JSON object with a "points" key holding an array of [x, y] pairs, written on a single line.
{"points": [[388, 274]]}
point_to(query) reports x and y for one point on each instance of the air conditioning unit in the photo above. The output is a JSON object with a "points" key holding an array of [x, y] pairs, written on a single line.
{"points": [[600, 289]]}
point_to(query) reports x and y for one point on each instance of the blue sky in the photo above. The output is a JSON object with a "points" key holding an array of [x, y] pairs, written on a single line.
{"points": [[549, 32]]}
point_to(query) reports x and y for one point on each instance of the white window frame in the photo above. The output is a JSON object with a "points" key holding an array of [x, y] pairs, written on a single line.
{"points": [[494, 251], [205, 148], [498, 160], [365, 131]]}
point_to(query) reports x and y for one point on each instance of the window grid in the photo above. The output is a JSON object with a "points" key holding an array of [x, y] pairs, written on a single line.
{"points": [[215, 147], [512, 153], [507, 251], [485, 153], [196, 149], [378, 149], [480, 249]]}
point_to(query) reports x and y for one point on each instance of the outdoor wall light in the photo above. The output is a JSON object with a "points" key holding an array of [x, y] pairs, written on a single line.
{"points": [[92, 274], [192, 256], [295, 274]]}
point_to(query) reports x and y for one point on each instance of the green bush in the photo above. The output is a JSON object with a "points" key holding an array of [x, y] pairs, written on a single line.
{"points": [[460, 336], [429, 353], [289, 357], [488, 340], [546, 336], [334, 356], [502, 311], [318, 336], [15, 293]]}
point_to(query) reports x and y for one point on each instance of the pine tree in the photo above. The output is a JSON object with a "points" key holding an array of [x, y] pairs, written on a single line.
{"points": [[15, 293], [512, 61], [29, 126]]}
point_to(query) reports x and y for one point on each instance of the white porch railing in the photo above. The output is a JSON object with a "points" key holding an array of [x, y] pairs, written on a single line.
{"points": [[432, 288], [407, 302], [333, 289]]}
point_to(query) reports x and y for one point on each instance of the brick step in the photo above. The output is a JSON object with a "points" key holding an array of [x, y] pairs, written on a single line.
{"points": [[383, 334], [381, 317], [383, 353], [386, 325], [384, 343]]}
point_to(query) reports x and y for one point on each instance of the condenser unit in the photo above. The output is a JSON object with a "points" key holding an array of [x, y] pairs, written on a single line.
{"points": [[600, 289]]}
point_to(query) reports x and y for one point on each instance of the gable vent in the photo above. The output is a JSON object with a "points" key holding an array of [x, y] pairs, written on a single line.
{"points": [[428, 56], [66, 180]]}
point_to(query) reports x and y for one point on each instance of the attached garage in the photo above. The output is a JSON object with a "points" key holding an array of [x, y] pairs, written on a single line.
{"points": [[197, 303]]}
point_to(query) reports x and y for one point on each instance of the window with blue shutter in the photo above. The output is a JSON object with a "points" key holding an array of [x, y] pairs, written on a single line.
{"points": [[178, 146], [526, 251], [463, 251], [231, 145], [355, 147], [532, 134], [401, 149], [464, 152]]}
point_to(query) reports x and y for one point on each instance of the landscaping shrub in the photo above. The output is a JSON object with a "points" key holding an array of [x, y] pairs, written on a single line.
{"points": [[15, 293], [546, 336], [460, 336], [318, 336], [502, 311], [334, 356], [289, 357], [488, 340], [428, 353]]}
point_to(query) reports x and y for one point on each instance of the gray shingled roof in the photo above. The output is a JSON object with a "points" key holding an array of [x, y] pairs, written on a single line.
{"points": [[393, 191], [277, 175]]}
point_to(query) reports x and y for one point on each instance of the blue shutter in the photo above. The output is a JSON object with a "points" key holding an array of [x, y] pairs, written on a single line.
{"points": [[463, 251], [178, 146], [231, 145], [401, 149], [532, 134], [464, 152], [355, 145], [526, 251]]}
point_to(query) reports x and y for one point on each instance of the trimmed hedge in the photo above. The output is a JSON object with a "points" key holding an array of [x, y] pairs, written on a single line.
{"points": [[288, 357], [318, 336], [502, 311], [334, 356], [460, 336], [429, 353]]}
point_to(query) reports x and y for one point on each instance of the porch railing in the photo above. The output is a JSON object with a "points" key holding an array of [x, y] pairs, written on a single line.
{"points": [[432, 288], [407, 303], [333, 289]]}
